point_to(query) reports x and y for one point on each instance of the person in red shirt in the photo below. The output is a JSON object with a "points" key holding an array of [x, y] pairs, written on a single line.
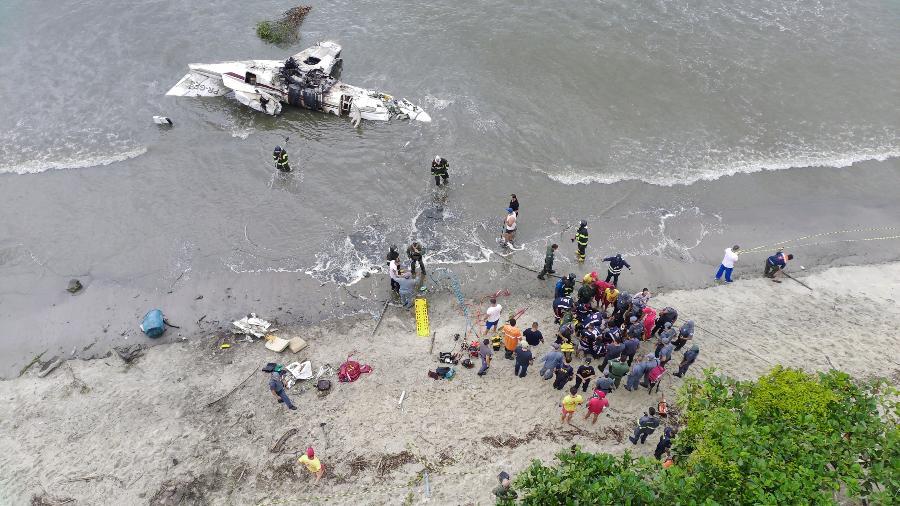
{"points": [[595, 405], [649, 321], [600, 287]]}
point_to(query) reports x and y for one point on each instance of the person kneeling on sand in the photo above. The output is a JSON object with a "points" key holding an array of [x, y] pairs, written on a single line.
{"points": [[504, 492], [569, 404], [595, 405], [312, 463]]}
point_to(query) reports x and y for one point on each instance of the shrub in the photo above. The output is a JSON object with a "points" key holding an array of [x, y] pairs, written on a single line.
{"points": [[788, 438]]}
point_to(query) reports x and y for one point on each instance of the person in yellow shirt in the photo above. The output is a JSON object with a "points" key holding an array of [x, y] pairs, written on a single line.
{"points": [[569, 404], [312, 463], [511, 337], [609, 297]]}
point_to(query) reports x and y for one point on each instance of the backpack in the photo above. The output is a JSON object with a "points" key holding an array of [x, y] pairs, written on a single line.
{"points": [[656, 373]]}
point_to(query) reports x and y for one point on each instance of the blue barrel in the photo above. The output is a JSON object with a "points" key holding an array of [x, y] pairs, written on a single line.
{"points": [[153, 324]]}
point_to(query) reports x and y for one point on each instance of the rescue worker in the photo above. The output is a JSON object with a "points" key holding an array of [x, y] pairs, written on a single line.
{"points": [[415, 252], [281, 159], [581, 236], [439, 168], [615, 268], [548, 261]]}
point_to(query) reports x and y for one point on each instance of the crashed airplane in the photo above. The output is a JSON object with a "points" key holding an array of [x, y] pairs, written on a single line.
{"points": [[303, 80]]}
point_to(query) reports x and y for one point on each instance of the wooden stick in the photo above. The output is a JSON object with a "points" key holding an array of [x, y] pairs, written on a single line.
{"points": [[233, 389], [381, 317], [797, 280], [33, 361]]}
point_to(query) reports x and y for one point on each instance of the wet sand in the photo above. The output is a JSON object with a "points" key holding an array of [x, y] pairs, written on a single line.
{"points": [[102, 431]]}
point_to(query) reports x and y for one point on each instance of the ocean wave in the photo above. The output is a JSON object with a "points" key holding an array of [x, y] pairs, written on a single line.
{"points": [[38, 166], [687, 176]]}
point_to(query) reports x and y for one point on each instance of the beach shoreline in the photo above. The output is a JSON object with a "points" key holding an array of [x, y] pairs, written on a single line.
{"points": [[102, 430]]}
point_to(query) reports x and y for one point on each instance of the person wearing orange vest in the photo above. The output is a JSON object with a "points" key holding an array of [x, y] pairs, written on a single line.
{"points": [[511, 337]]}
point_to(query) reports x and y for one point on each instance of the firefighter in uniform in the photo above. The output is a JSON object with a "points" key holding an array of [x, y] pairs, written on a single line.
{"points": [[439, 168], [281, 159], [581, 236]]}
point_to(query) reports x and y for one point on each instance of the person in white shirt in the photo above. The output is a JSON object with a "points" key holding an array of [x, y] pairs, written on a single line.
{"points": [[509, 226], [493, 315], [731, 256]]}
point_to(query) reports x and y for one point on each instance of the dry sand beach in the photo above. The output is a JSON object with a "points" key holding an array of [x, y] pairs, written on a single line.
{"points": [[106, 432]]}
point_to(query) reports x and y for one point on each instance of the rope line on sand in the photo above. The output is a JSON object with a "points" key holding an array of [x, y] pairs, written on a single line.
{"points": [[756, 249]]}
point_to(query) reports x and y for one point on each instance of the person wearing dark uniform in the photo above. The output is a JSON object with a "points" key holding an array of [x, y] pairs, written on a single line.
{"points": [[281, 159], [548, 261], [414, 252], [615, 268], [581, 237], [514, 203], [439, 168]]}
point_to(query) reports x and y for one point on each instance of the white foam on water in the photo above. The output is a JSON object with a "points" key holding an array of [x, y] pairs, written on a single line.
{"points": [[702, 172], [38, 166]]}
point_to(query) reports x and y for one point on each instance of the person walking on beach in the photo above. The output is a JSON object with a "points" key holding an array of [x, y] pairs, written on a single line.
{"points": [[776, 264], [312, 463], [569, 404], [685, 334], [415, 252], [631, 347], [564, 373], [552, 361], [509, 227], [731, 256], [548, 261], [524, 358], [511, 337], [276, 386], [280, 156], [493, 315], [646, 425], [687, 360], [486, 354], [581, 236], [615, 268], [665, 337], [439, 169], [595, 405]]}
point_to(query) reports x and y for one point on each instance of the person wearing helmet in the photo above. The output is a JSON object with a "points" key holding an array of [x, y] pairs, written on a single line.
{"points": [[280, 156], [439, 168], [569, 285], [509, 226], [582, 237], [615, 268]]}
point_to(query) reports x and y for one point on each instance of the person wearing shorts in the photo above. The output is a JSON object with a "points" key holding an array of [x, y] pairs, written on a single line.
{"points": [[493, 316], [570, 404]]}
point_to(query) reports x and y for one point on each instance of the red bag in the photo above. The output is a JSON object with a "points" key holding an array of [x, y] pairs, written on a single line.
{"points": [[351, 370], [656, 373]]}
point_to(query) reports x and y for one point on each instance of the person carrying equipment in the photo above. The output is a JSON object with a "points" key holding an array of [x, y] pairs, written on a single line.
{"points": [[775, 265], [582, 237], [548, 261], [281, 159], [615, 268], [439, 168]]}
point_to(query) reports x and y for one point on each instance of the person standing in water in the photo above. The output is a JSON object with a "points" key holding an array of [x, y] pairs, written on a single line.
{"points": [[581, 236], [281, 159], [514, 203], [439, 169], [509, 226], [615, 268], [548, 261]]}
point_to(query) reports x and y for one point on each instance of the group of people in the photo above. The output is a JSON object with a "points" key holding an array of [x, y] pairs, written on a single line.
{"points": [[596, 347]]}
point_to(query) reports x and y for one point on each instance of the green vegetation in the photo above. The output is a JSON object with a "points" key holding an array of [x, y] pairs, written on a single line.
{"points": [[283, 30], [788, 438]]}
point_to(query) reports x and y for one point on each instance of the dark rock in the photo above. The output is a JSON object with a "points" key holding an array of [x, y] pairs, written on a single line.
{"points": [[75, 286]]}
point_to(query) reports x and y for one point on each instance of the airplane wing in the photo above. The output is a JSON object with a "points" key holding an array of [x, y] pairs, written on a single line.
{"points": [[196, 84]]}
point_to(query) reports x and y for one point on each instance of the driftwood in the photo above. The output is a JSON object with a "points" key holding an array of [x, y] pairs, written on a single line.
{"points": [[35, 360], [233, 389], [381, 317], [279, 445]]}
